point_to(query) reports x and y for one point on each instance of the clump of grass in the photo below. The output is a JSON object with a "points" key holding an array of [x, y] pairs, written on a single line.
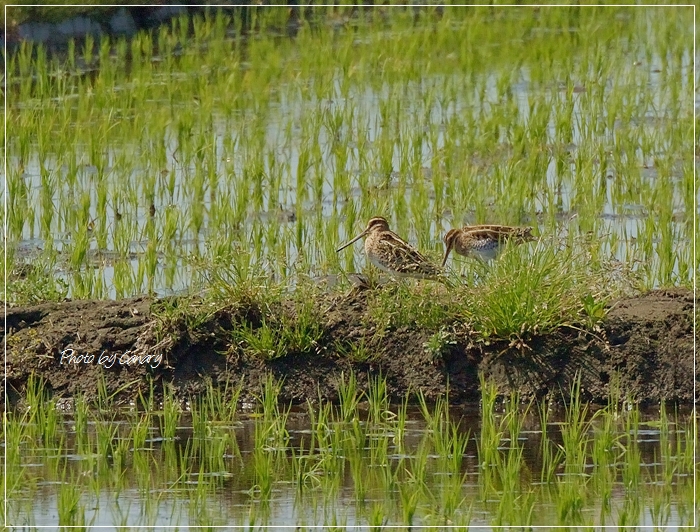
{"points": [[33, 282], [280, 333], [269, 329], [535, 293], [407, 305], [176, 315], [359, 351], [439, 343]]}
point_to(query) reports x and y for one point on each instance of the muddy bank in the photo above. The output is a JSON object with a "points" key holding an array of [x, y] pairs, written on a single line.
{"points": [[645, 345]]}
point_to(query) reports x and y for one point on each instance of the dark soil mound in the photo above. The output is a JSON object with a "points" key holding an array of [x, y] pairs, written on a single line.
{"points": [[644, 346]]}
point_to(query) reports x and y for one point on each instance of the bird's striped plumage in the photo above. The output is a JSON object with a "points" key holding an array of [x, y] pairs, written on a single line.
{"points": [[390, 253], [483, 241]]}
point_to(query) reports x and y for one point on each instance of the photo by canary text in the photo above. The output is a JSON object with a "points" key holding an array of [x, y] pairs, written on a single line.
{"points": [[108, 359]]}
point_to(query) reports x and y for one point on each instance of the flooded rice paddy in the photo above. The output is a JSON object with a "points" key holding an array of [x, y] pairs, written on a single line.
{"points": [[131, 163], [357, 464]]}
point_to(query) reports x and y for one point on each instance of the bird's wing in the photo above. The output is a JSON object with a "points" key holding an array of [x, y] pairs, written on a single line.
{"points": [[499, 232], [405, 258]]}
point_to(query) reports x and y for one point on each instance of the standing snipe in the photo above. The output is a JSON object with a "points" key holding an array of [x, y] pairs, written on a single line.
{"points": [[483, 241], [390, 253]]}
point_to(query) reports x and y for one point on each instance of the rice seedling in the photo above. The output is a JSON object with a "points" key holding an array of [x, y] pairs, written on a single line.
{"points": [[409, 497], [516, 505], [171, 416], [572, 486], [81, 421], [550, 454], [71, 512], [604, 473], [349, 397], [139, 428], [104, 439], [489, 436], [271, 432]]}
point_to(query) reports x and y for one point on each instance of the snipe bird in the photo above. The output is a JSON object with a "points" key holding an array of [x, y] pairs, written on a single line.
{"points": [[484, 241], [390, 253]]}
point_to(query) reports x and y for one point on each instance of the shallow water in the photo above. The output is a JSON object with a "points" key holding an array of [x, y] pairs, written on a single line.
{"points": [[290, 223], [194, 493]]}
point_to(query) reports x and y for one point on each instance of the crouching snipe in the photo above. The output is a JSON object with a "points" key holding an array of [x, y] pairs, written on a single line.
{"points": [[483, 241], [390, 253]]}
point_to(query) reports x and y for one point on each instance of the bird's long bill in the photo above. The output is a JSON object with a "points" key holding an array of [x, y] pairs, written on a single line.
{"points": [[363, 233], [447, 253]]}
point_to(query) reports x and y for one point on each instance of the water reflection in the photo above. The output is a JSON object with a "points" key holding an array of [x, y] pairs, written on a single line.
{"points": [[233, 494]]}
